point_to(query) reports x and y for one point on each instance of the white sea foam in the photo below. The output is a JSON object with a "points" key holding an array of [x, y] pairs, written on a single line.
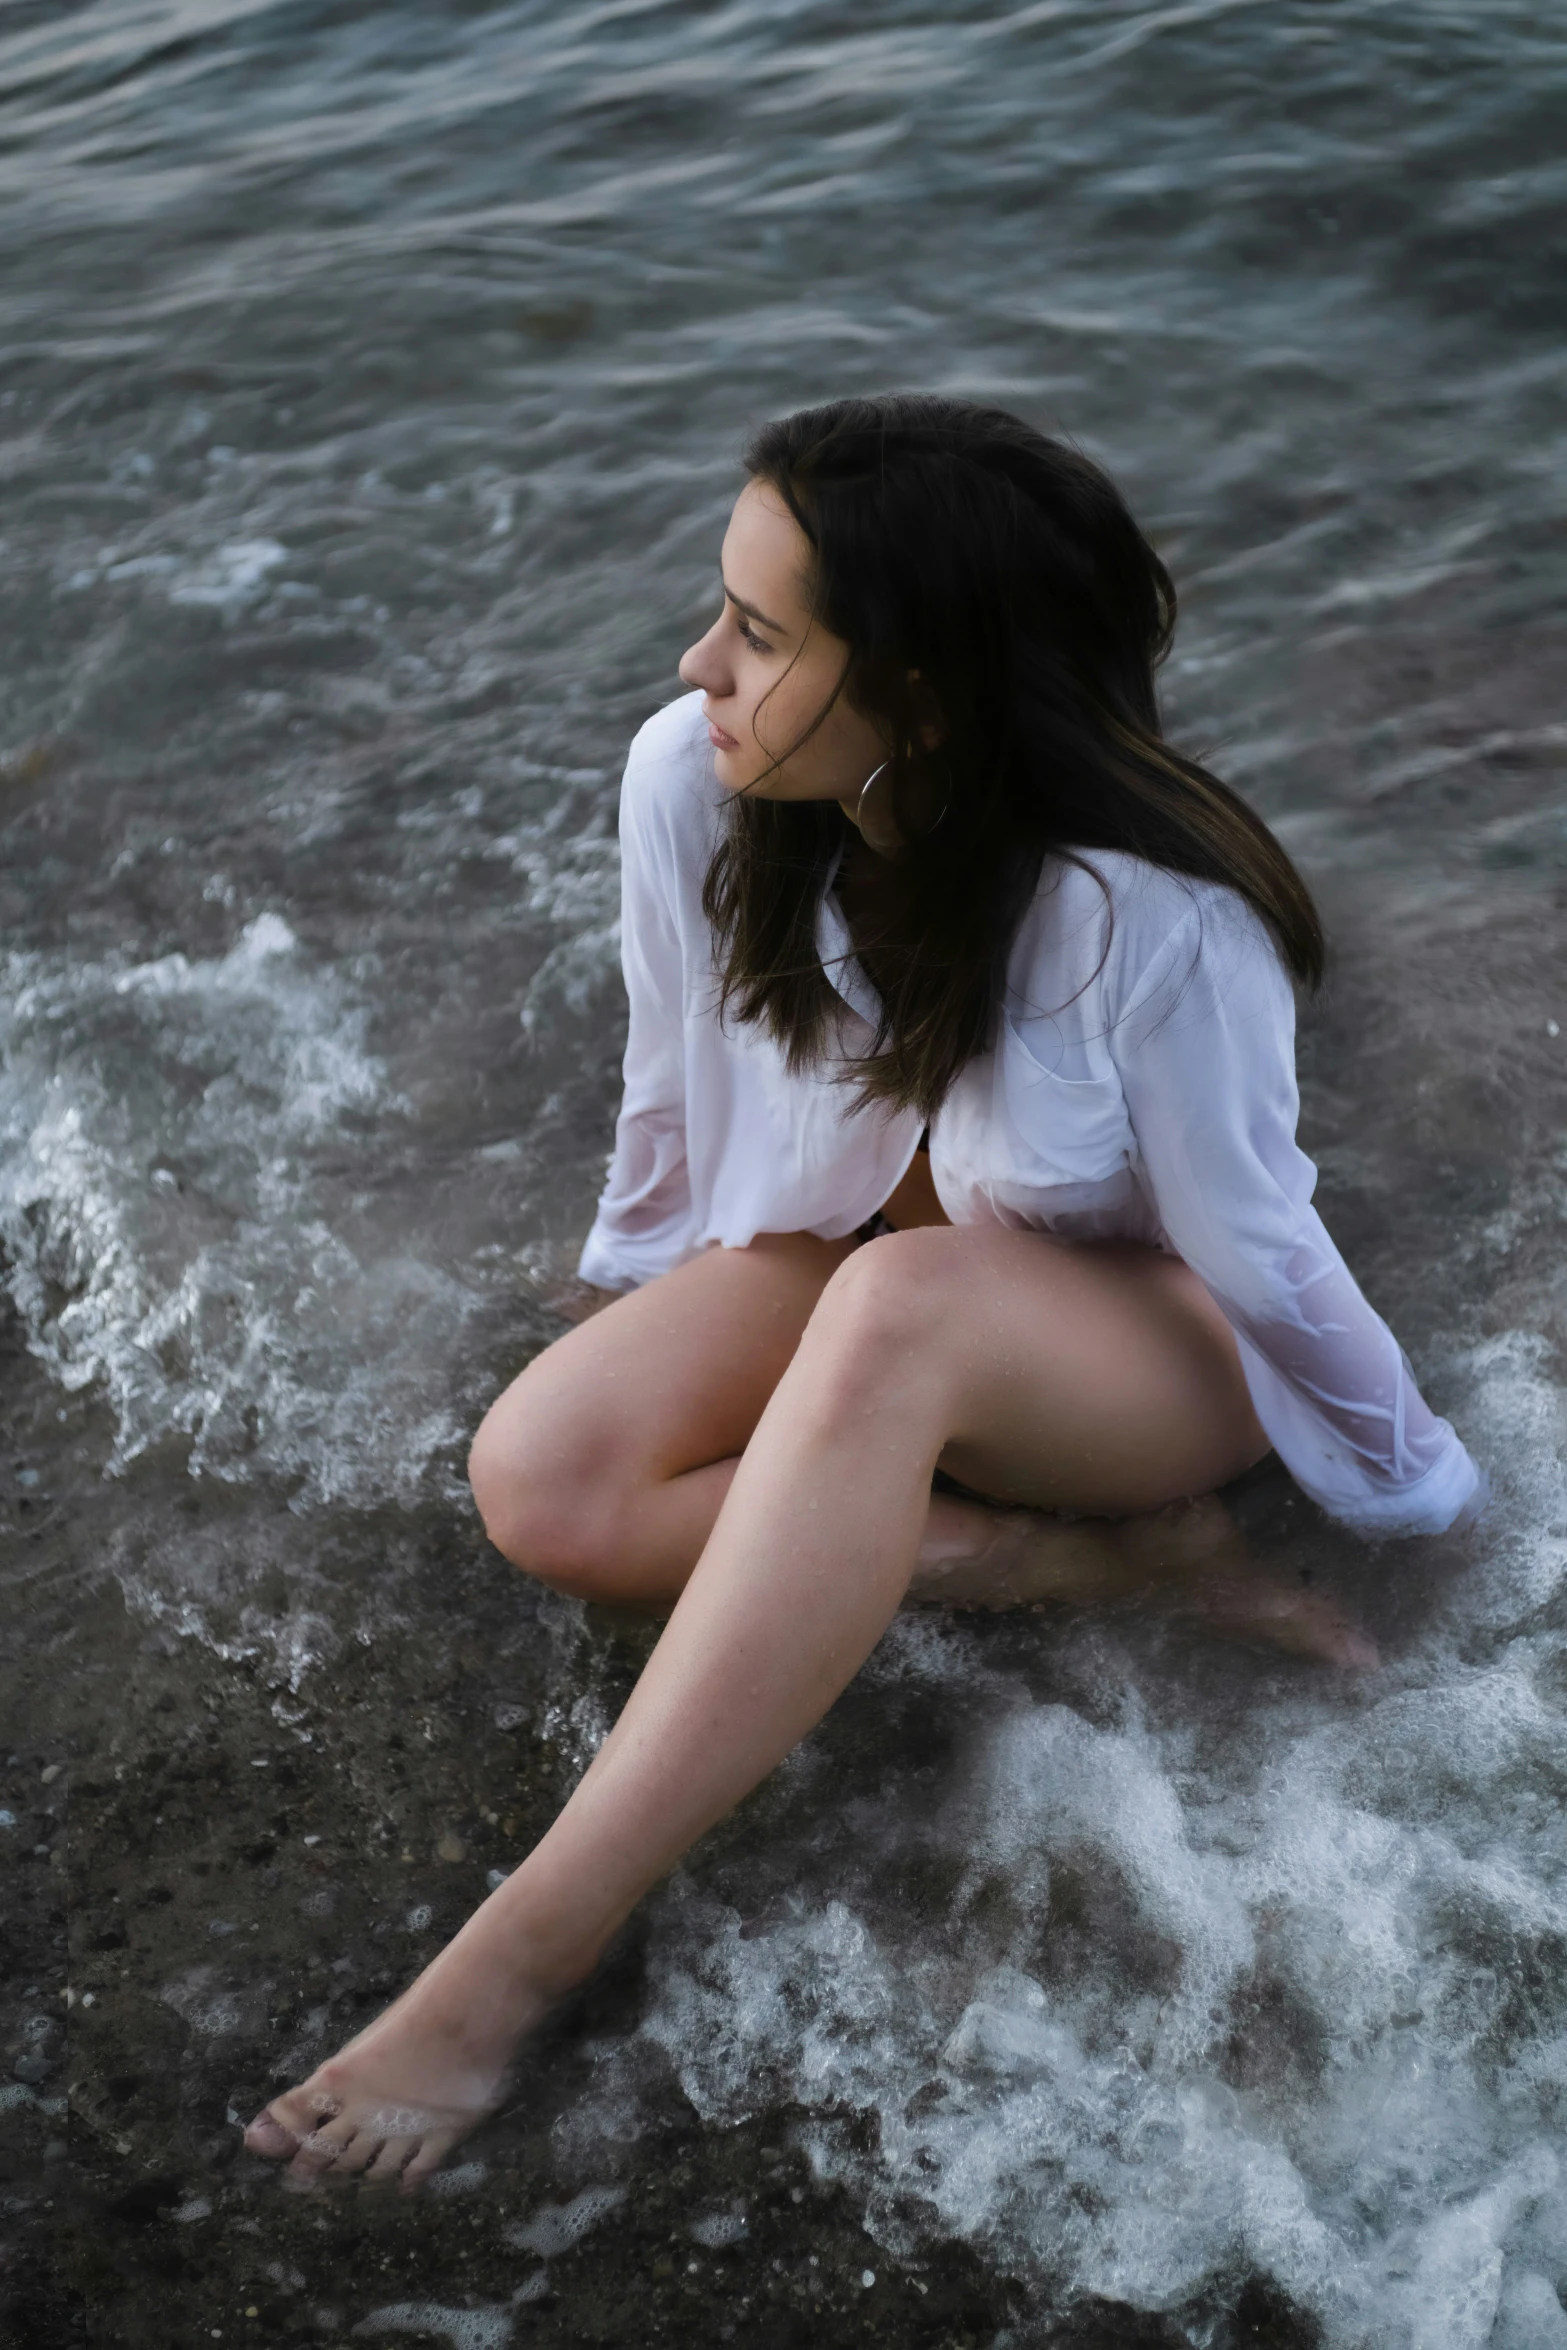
{"points": [[233, 574], [570, 870], [719, 2228], [461, 2179], [465, 2329], [1530, 2316], [557, 2226], [577, 1716], [206, 2004], [169, 1238]]}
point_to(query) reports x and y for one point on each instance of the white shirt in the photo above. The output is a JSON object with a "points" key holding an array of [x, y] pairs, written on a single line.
{"points": [[1141, 1086]]}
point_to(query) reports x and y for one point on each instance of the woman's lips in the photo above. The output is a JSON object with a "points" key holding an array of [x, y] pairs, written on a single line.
{"points": [[719, 740]]}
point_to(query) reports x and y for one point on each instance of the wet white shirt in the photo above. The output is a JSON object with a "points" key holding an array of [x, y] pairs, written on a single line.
{"points": [[1142, 1086]]}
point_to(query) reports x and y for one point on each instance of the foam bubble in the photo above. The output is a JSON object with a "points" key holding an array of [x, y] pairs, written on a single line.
{"points": [[1531, 2316], [206, 2004], [555, 2227], [461, 2179], [719, 2228], [233, 574], [465, 2329]]}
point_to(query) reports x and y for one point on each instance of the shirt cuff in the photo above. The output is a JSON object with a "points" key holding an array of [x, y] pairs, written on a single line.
{"points": [[1447, 1499]]}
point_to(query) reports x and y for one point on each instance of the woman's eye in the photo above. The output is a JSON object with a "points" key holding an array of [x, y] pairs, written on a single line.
{"points": [[752, 639]]}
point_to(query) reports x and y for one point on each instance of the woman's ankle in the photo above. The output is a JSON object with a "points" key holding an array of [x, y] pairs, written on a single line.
{"points": [[541, 1949]]}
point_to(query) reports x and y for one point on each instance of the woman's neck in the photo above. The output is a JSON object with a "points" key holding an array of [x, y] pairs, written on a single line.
{"points": [[866, 886]]}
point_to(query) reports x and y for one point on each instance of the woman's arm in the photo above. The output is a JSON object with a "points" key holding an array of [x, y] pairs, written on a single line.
{"points": [[644, 1222], [1205, 1051]]}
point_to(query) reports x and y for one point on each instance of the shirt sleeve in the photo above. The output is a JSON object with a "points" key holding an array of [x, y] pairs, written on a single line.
{"points": [[1206, 1057], [644, 1221]]}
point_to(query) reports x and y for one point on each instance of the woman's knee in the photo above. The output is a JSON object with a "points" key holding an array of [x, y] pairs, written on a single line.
{"points": [[547, 1512], [890, 1302]]}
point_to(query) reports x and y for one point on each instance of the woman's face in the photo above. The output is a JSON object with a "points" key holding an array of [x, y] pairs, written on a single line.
{"points": [[767, 670]]}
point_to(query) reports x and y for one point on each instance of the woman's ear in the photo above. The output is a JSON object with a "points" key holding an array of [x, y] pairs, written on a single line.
{"points": [[928, 714]]}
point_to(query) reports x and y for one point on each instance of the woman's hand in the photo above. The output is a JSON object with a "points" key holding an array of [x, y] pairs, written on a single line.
{"points": [[577, 1301]]}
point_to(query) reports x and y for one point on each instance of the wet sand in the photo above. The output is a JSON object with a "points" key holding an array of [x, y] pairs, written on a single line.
{"points": [[208, 1874]]}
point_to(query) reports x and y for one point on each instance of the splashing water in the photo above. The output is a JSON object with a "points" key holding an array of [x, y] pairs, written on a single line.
{"points": [[157, 1213]]}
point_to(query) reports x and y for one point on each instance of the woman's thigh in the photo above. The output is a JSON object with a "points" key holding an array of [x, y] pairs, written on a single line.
{"points": [[1102, 1379], [668, 1379]]}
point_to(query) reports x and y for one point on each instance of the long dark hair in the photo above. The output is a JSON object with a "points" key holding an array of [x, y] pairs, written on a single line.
{"points": [[993, 581]]}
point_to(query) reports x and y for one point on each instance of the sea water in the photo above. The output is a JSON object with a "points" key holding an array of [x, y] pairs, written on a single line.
{"points": [[371, 387]]}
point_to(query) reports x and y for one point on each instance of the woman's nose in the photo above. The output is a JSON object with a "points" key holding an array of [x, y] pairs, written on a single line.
{"points": [[703, 664]]}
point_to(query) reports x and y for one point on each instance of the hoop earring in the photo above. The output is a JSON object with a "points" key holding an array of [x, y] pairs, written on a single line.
{"points": [[859, 805], [889, 840]]}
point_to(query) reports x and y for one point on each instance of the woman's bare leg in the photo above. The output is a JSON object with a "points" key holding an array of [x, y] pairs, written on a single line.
{"points": [[603, 1467], [1051, 1377]]}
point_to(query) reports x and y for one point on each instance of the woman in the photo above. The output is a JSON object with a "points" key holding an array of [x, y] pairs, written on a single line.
{"points": [[957, 1143]]}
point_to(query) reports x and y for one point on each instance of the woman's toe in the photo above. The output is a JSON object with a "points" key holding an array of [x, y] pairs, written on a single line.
{"points": [[301, 2110], [269, 2137], [1313, 1627], [1344, 1643], [432, 2153], [320, 2150], [388, 2165], [1296, 1621], [357, 2155]]}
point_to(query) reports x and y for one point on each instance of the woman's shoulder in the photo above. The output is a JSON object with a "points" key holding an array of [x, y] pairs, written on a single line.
{"points": [[1112, 899], [1118, 927]]}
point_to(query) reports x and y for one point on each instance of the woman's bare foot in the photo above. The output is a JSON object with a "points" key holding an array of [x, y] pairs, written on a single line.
{"points": [[1190, 1554], [391, 2105]]}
